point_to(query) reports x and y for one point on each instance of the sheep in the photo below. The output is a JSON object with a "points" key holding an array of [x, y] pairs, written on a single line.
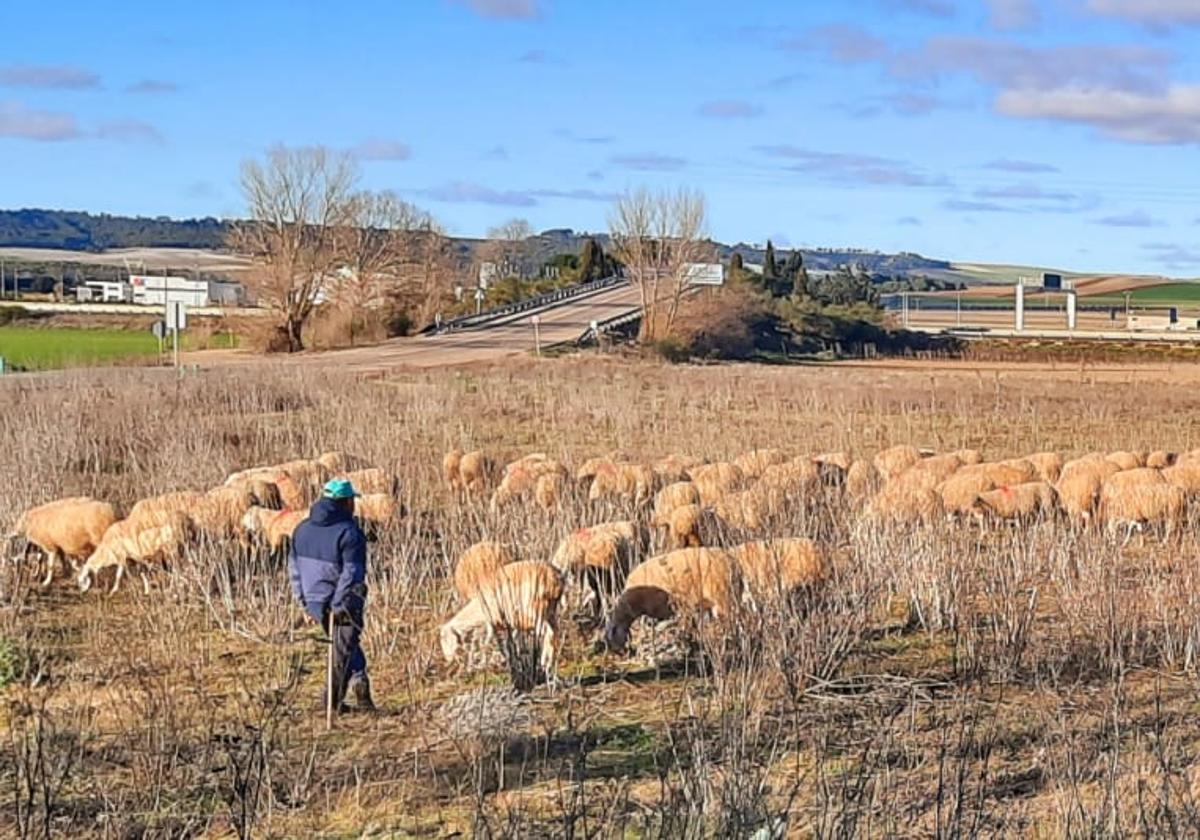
{"points": [[520, 597], [451, 463], [1160, 459], [715, 480], [337, 462], [549, 490], [373, 480], [520, 480], [960, 491], [672, 468], [1048, 465], [591, 467], [274, 526], [755, 462], [926, 474], [862, 481], [1004, 473], [841, 460], [217, 513], [129, 542], [1143, 504], [1079, 486], [373, 510], [683, 526], [775, 569], [896, 504], [671, 497], [478, 565], [895, 460], [1018, 502], [602, 554], [631, 482], [1127, 460], [701, 580], [66, 529], [798, 476], [1185, 474], [476, 472]]}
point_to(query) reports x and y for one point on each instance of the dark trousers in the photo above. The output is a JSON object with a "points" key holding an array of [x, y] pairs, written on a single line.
{"points": [[349, 661]]}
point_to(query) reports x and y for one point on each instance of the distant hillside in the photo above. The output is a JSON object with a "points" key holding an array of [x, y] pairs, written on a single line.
{"points": [[77, 231], [92, 233]]}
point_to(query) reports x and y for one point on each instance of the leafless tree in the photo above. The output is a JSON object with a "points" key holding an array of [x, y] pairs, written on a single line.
{"points": [[384, 244], [658, 236], [508, 248], [299, 202]]}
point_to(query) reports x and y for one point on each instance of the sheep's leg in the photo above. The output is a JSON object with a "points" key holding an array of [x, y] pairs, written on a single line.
{"points": [[117, 579], [549, 650], [51, 567], [145, 582]]}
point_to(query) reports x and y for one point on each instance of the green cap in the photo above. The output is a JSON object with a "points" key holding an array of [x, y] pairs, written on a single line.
{"points": [[338, 488]]}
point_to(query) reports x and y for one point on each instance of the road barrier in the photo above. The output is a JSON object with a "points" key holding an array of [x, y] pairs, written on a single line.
{"points": [[542, 300]]}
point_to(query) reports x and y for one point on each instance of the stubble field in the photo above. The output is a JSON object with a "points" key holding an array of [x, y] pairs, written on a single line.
{"points": [[1038, 680]]}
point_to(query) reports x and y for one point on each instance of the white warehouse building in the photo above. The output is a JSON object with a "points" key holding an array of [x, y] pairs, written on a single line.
{"points": [[155, 290]]}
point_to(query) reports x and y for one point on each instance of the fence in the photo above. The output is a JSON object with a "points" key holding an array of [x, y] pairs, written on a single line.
{"points": [[537, 302]]}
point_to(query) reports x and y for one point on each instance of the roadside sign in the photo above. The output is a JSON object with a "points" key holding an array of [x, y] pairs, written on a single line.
{"points": [[536, 320], [159, 330], [479, 294], [176, 315]]}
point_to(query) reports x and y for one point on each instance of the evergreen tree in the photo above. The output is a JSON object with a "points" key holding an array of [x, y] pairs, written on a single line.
{"points": [[591, 261], [770, 270], [736, 266]]}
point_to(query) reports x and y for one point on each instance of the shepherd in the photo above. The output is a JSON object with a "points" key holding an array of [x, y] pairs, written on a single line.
{"points": [[328, 570]]}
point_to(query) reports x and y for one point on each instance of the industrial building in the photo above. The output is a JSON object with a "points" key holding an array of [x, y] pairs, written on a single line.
{"points": [[152, 290]]}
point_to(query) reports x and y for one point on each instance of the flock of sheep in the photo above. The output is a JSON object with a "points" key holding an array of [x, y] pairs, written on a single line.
{"points": [[262, 505], [700, 517]]}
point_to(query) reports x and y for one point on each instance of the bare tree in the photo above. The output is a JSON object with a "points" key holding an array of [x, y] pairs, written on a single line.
{"points": [[383, 243], [507, 249], [299, 204], [658, 236]]}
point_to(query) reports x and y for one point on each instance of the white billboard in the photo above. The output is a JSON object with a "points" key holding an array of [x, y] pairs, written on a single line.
{"points": [[704, 274]]}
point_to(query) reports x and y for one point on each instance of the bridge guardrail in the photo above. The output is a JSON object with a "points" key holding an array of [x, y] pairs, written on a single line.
{"points": [[565, 293]]}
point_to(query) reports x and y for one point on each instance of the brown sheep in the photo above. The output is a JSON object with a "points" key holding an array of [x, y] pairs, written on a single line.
{"points": [[549, 490], [1079, 486], [336, 462], [128, 542], [671, 497], [520, 597], [375, 509], [775, 569], [797, 476], [683, 526], [1160, 459], [1017, 502], [841, 460], [1004, 473], [373, 480], [631, 482], [1143, 504], [521, 478], [478, 565], [895, 460], [701, 580], [66, 529], [1185, 474], [674, 468], [476, 472]]}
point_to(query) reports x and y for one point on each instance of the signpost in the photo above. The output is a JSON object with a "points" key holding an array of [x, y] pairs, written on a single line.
{"points": [[176, 320], [537, 334], [478, 300], [159, 331]]}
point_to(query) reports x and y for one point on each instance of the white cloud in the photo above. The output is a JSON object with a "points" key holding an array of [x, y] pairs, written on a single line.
{"points": [[506, 9], [377, 148], [17, 121], [1169, 116], [128, 131], [1012, 14], [62, 76], [1157, 14]]}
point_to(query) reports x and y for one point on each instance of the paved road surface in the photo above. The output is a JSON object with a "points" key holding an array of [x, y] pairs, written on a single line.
{"points": [[565, 322]]}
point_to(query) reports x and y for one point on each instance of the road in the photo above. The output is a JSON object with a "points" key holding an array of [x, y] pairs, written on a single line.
{"points": [[562, 323]]}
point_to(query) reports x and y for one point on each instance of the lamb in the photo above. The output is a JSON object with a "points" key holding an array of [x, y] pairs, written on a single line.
{"points": [[129, 542], [700, 580], [67, 529], [521, 597], [1048, 465], [895, 460], [1018, 502], [478, 565], [274, 526], [773, 570], [602, 554], [755, 462], [671, 497]]}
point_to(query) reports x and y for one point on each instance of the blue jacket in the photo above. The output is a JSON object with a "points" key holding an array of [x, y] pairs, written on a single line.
{"points": [[328, 561]]}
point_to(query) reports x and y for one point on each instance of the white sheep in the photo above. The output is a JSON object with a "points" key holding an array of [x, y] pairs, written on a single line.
{"points": [[66, 529]]}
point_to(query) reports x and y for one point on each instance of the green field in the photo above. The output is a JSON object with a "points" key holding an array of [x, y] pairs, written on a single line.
{"points": [[1170, 294], [61, 347]]}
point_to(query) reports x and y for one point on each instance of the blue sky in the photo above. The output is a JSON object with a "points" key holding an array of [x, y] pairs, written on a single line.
{"points": [[1062, 133]]}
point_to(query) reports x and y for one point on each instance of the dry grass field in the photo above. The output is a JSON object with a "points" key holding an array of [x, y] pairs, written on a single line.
{"points": [[950, 679]]}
